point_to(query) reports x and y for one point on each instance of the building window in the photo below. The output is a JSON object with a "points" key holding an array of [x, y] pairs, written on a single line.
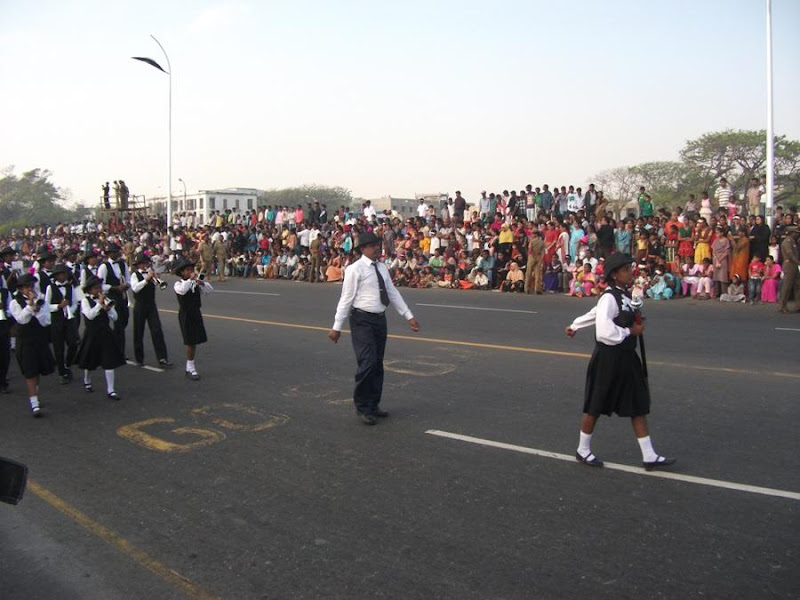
{"points": [[237, 204], [249, 204], [212, 203], [224, 204], [201, 203]]}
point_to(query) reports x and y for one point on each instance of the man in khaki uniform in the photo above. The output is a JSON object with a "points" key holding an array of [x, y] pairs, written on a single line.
{"points": [[206, 255], [315, 247], [535, 269], [791, 259], [221, 254]]}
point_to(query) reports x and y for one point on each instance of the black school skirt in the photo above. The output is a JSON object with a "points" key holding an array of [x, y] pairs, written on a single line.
{"points": [[34, 355], [192, 328], [615, 383]]}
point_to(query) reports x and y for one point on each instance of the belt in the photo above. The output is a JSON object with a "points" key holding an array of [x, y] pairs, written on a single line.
{"points": [[366, 312]]}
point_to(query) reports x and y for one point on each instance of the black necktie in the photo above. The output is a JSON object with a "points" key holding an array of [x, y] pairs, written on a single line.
{"points": [[381, 285]]}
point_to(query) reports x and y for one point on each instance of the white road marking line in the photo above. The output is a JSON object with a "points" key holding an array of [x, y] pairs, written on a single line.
{"points": [[147, 367], [729, 485], [530, 312], [785, 329], [250, 293]]}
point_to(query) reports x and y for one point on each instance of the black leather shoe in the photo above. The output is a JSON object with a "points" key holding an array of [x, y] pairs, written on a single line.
{"points": [[367, 419], [594, 462], [114, 396], [381, 414], [659, 463], [164, 363]]}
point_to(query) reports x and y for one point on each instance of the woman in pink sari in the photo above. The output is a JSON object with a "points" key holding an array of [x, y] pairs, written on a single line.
{"points": [[772, 276], [550, 239]]}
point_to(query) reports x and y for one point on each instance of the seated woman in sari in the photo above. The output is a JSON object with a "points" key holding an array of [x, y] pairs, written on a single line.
{"points": [[334, 270]]}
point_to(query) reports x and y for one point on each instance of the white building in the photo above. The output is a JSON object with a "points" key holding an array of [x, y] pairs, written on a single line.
{"points": [[205, 202]]}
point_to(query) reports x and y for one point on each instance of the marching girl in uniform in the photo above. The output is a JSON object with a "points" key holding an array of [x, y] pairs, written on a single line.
{"points": [[615, 379], [98, 346], [32, 314], [189, 290]]}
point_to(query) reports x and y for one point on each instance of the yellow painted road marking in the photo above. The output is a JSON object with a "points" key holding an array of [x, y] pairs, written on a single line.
{"points": [[191, 589], [523, 349], [135, 433]]}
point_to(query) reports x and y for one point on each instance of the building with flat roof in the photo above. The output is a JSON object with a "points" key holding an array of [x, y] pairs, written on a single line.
{"points": [[204, 202]]}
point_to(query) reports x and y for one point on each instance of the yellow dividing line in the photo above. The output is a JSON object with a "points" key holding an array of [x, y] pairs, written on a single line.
{"points": [[524, 349], [191, 589]]}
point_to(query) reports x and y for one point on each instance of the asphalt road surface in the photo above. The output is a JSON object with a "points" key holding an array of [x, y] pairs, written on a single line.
{"points": [[259, 482]]}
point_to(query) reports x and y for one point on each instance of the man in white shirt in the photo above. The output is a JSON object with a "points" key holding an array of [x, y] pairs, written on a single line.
{"points": [[369, 211], [366, 292], [422, 209]]}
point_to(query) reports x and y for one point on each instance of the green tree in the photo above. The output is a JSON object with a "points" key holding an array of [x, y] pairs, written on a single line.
{"points": [[333, 197], [30, 198]]}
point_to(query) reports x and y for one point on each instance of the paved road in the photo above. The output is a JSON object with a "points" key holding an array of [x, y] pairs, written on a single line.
{"points": [[258, 481]]}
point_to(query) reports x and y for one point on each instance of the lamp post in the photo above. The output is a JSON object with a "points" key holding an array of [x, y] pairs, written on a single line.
{"points": [[770, 208], [153, 63], [185, 206]]}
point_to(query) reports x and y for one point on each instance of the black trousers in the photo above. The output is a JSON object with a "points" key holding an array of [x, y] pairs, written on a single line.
{"points": [[147, 313], [64, 333], [5, 350], [368, 332]]}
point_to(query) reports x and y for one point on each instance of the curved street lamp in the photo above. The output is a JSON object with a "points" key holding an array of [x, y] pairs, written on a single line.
{"points": [[153, 63]]}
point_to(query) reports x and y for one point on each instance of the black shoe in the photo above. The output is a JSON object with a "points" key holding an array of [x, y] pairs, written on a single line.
{"points": [[139, 364], [114, 396], [65, 379], [367, 419], [4, 389], [381, 414], [659, 463], [88, 387], [193, 375], [590, 460], [163, 362]]}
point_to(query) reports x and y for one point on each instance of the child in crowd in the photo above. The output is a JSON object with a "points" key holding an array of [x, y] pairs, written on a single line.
{"points": [[658, 288], [515, 279], [691, 276], [735, 291], [705, 280], [755, 273]]}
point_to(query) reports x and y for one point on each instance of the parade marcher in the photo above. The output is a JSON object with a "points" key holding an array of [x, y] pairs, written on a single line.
{"points": [[99, 347], [114, 275], [63, 325], [35, 359], [8, 285], [190, 289], [143, 284], [615, 379], [88, 268], [366, 293]]}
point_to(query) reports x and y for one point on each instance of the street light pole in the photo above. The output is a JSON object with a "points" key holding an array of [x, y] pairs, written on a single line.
{"points": [[153, 63], [184, 193], [770, 126]]}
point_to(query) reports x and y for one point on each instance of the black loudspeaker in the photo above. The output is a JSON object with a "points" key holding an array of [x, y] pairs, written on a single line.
{"points": [[13, 477]]}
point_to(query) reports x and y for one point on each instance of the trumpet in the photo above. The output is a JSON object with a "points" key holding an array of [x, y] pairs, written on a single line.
{"points": [[162, 285], [201, 276], [106, 301]]}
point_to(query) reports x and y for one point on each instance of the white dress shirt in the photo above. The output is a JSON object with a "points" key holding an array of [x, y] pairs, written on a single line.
{"points": [[184, 286], [24, 314], [102, 274], [361, 290], [603, 315], [91, 312]]}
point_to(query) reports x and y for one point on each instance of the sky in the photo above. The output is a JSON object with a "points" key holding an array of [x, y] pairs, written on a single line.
{"points": [[381, 97]]}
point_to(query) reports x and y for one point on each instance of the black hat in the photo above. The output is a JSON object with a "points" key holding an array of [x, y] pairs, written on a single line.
{"points": [[368, 238], [91, 254], [141, 258], [26, 279], [47, 256], [70, 252], [90, 283], [614, 262], [7, 250], [181, 264], [112, 247], [61, 268]]}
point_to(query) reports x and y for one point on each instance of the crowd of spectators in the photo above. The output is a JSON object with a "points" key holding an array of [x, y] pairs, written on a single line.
{"points": [[531, 241]]}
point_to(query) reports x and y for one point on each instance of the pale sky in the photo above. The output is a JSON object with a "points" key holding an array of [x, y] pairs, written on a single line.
{"points": [[381, 97]]}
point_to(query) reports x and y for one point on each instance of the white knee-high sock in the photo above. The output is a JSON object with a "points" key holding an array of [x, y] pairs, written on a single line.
{"points": [[110, 380], [86, 378], [585, 444], [646, 445]]}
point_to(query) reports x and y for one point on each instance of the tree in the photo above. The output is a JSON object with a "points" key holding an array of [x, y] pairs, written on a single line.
{"points": [[739, 155], [30, 198], [333, 197]]}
